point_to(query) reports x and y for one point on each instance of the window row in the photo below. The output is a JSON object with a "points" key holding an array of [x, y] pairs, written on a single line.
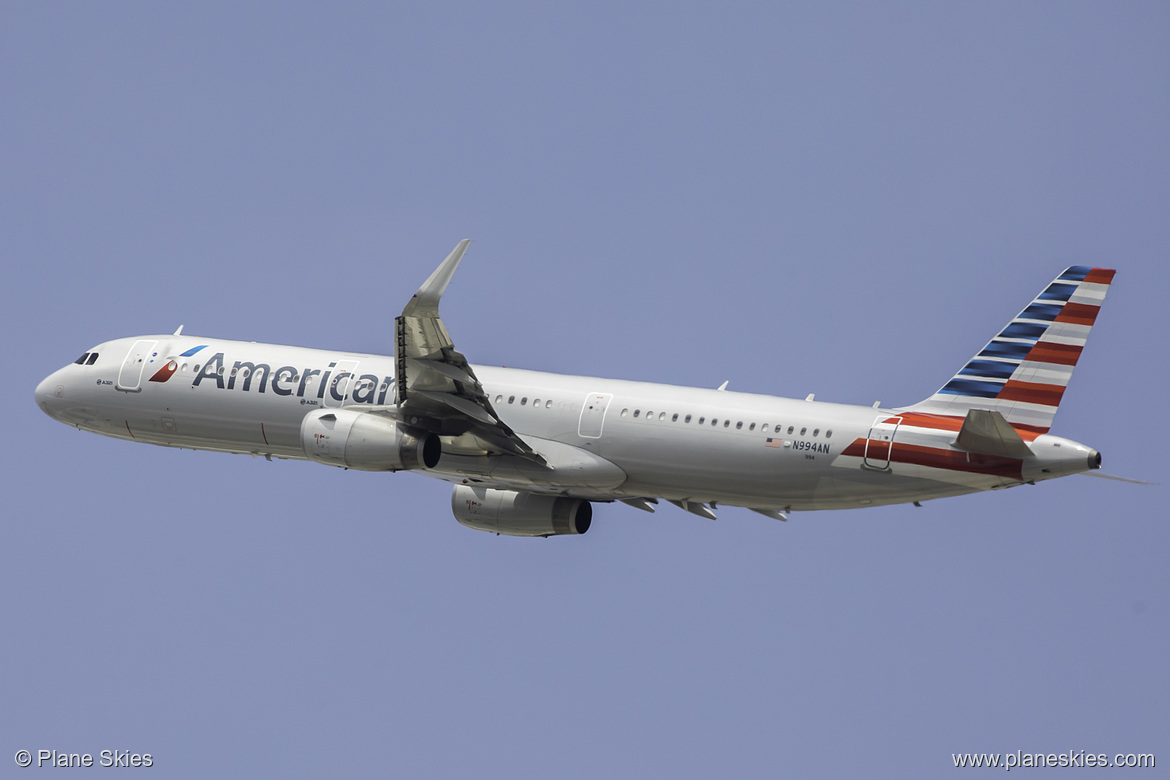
{"points": [[649, 415], [524, 401], [739, 425]]}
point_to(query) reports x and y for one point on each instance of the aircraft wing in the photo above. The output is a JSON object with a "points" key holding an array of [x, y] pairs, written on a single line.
{"points": [[436, 387]]}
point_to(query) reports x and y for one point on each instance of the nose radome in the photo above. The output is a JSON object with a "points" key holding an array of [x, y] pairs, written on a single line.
{"points": [[50, 389]]}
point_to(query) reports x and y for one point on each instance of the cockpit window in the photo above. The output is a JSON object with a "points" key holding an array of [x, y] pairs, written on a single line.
{"points": [[92, 358], [81, 360]]}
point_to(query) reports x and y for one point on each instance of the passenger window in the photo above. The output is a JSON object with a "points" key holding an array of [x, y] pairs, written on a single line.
{"points": [[184, 368], [548, 404], [674, 417], [802, 430], [791, 428], [780, 428], [511, 399], [624, 412], [816, 431], [197, 371], [828, 434], [661, 416], [702, 420], [649, 415], [636, 413], [246, 372], [499, 398], [739, 425], [752, 427], [524, 401], [687, 418], [726, 423], [92, 359], [714, 422]]}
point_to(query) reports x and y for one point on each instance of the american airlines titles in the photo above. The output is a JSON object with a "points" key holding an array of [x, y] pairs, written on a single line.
{"points": [[289, 380]]}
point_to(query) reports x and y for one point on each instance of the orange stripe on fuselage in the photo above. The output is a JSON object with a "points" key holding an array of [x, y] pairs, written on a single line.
{"points": [[939, 422], [946, 422]]}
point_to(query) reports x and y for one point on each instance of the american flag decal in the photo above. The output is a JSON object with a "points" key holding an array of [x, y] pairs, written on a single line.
{"points": [[770, 442]]}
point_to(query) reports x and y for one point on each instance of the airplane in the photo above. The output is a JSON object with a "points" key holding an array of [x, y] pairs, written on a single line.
{"points": [[530, 452]]}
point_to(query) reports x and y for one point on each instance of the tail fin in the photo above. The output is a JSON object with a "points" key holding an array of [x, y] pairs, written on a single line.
{"points": [[1023, 371]]}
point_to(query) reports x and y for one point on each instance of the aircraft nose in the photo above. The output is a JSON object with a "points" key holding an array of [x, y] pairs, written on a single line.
{"points": [[50, 391]]}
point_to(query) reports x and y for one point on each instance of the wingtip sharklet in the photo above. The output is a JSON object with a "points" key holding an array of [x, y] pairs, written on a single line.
{"points": [[426, 300]]}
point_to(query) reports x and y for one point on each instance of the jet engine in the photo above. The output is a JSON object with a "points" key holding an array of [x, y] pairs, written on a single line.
{"points": [[365, 441], [519, 514]]}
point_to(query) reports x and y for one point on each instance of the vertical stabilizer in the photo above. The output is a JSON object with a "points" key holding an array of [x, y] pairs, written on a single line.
{"points": [[1023, 371]]}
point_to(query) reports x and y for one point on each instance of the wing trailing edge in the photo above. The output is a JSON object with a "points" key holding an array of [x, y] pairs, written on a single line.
{"points": [[436, 387]]}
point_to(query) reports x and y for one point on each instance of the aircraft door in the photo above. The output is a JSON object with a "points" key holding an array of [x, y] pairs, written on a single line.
{"points": [[879, 445], [130, 375], [342, 382], [593, 415]]}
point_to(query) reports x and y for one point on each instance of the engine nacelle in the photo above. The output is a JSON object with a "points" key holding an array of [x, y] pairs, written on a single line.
{"points": [[519, 514], [367, 442]]}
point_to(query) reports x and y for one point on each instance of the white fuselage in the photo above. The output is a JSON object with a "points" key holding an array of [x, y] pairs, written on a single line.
{"points": [[606, 439]]}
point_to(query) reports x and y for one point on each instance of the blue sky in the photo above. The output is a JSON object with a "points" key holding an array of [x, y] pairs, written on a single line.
{"points": [[832, 198]]}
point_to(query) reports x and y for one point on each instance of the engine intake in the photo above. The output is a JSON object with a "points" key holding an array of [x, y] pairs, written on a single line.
{"points": [[520, 514], [366, 442]]}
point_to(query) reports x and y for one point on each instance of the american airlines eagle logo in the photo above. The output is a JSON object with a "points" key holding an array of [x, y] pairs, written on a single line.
{"points": [[169, 368], [166, 372]]}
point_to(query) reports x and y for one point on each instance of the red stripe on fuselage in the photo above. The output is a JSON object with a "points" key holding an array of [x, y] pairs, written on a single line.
{"points": [[932, 457], [955, 460]]}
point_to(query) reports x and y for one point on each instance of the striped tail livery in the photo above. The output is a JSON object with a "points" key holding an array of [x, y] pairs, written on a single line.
{"points": [[1023, 371]]}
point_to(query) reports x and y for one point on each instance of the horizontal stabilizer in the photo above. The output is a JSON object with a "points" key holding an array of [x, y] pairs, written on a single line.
{"points": [[988, 433]]}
